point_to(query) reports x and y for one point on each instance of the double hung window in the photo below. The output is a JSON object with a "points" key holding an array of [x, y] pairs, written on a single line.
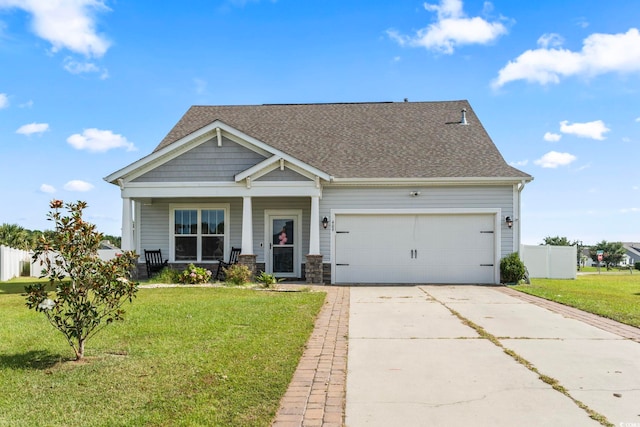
{"points": [[199, 234]]}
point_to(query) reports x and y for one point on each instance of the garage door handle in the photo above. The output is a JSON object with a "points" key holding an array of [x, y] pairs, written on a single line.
{"points": [[340, 264], [486, 265]]}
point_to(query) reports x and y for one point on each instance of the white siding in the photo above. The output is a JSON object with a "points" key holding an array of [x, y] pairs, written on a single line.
{"points": [[445, 197]]}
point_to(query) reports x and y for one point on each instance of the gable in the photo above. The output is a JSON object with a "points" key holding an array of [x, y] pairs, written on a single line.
{"points": [[206, 162], [283, 175]]}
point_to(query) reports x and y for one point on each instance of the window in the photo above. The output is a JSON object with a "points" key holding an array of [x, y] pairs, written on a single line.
{"points": [[199, 233]]}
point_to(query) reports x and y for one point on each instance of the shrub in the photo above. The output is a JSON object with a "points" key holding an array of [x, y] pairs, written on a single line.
{"points": [[267, 280], [237, 275], [89, 292], [512, 269], [194, 275], [637, 265], [166, 275]]}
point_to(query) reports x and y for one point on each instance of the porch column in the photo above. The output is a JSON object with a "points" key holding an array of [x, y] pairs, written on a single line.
{"points": [[314, 229], [313, 267], [127, 225], [247, 256], [247, 226]]}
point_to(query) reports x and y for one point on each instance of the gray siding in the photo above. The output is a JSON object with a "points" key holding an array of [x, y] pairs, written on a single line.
{"points": [[155, 220], [469, 197], [206, 162]]}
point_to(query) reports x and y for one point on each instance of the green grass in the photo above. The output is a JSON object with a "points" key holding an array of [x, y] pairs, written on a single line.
{"points": [[614, 295], [183, 357]]}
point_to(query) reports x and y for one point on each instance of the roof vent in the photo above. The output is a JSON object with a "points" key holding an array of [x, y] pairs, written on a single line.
{"points": [[406, 100], [463, 119]]}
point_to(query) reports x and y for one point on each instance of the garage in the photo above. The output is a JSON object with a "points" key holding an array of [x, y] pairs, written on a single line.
{"points": [[415, 248]]}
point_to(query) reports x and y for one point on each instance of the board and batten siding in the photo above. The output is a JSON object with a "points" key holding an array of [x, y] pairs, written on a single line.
{"points": [[445, 197], [283, 175], [205, 163], [155, 220]]}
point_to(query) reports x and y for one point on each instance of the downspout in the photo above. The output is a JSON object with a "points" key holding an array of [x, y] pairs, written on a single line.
{"points": [[518, 236]]}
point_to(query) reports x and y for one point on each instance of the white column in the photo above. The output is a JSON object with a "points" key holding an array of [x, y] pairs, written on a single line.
{"points": [[247, 227], [127, 225], [314, 228]]}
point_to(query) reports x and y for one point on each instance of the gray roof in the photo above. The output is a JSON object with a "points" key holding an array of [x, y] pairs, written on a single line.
{"points": [[366, 140]]}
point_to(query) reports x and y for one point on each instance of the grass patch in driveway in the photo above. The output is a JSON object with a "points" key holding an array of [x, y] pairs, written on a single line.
{"points": [[183, 356], [615, 296]]}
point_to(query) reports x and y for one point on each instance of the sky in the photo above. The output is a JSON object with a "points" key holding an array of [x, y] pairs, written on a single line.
{"points": [[90, 86]]}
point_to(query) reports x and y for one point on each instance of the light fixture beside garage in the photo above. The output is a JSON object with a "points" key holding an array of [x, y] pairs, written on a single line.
{"points": [[325, 222], [414, 193], [509, 221]]}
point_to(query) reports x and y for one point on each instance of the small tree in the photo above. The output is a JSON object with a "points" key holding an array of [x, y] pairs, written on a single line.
{"points": [[613, 252], [89, 292], [558, 241]]}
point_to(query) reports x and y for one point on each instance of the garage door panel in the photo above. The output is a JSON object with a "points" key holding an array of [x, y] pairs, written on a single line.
{"points": [[421, 248]]}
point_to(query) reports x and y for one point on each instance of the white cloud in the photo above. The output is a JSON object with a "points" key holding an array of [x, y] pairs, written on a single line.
{"points": [[46, 188], [76, 67], [638, 120], [600, 54], [27, 104], [66, 24], [593, 130], [4, 101], [552, 137], [452, 29], [550, 39], [77, 185], [630, 210], [32, 128], [519, 163], [553, 159], [97, 140]]}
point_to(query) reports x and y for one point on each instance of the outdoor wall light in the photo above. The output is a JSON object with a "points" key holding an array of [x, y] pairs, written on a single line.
{"points": [[325, 222], [509, 221], [414, 193]]}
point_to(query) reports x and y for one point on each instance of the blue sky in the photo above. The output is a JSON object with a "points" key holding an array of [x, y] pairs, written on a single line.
{"points": [[89, 86]]}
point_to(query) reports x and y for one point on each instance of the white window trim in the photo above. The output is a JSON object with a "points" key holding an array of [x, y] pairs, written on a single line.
{"points": [[226, 207]]}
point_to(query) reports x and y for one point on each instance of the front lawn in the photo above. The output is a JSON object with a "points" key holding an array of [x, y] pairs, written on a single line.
{"points": [[183, 356], [612, 295]]}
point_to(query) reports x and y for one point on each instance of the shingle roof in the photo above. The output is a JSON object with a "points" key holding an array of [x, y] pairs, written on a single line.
{"points": [[365, 140]]}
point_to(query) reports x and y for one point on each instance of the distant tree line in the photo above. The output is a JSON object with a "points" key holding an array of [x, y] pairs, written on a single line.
{"points": [[17, 237], [612, 252]]}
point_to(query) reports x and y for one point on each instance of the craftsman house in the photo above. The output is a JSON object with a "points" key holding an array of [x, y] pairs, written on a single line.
{"points": [[408, 192]]}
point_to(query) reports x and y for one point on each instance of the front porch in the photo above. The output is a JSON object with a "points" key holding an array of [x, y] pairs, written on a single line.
{"points": [[277, 235]]}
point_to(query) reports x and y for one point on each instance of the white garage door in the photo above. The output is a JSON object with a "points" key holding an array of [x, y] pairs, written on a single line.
{"points": [[423, 248]]}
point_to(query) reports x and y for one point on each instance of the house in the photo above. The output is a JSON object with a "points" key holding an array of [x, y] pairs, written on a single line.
{"points": [[632, 252], [408, 192]]}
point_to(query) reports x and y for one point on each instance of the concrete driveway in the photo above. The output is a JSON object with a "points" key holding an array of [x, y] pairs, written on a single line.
{"points": [[435, 356]]}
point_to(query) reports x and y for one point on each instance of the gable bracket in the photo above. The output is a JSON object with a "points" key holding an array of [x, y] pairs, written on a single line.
{"points": [[219, 134]]}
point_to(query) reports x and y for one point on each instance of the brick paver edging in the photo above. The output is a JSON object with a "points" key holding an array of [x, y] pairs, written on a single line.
{"points": [[316, 394], [625, 331]]}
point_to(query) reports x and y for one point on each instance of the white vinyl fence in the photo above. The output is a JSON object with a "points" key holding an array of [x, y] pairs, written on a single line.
{"points": [[14, 263], [550, 262]]}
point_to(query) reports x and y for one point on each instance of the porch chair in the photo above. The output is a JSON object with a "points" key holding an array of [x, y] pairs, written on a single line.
{"points": [[233, 259], [153, 259]]}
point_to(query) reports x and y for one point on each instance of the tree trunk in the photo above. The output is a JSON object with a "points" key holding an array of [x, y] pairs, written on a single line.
{"points": [[80, 350]]}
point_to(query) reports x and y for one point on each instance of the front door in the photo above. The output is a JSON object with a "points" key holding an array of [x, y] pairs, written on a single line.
{"points": [[283, 248]]}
